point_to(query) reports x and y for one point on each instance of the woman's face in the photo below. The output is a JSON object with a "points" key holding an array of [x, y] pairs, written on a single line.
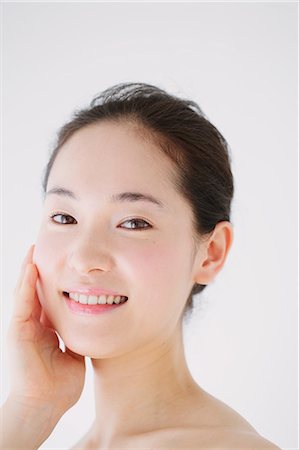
{"points": [[99, 247]]}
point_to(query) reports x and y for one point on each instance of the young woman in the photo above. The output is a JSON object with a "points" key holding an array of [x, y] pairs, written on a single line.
{"points": [[136, 221]]}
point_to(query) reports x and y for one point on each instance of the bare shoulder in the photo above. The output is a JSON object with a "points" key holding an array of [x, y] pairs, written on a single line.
{"points": [[227, 429], [214, 426], [242, 440], [213, 440], [250, 441]]}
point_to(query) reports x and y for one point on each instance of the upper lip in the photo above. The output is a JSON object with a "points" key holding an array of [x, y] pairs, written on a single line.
{"points": [[92, 291]]}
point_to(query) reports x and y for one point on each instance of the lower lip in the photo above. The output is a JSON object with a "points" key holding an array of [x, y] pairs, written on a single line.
{"points": [[78, 308]]}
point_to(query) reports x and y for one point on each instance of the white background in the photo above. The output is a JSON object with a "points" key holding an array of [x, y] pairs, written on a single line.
{"points": [[239, 62]]}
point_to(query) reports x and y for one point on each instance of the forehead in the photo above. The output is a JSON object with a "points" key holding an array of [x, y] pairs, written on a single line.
{"points": [[111, 157], [116, 147]]}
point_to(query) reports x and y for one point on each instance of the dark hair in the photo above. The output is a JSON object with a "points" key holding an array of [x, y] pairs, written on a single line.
{"points": [[180, 129]]}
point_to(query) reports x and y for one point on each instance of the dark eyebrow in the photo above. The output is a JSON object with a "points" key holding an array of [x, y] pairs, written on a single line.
{"points": [[135, 197], [121, 197], [62, 192]]}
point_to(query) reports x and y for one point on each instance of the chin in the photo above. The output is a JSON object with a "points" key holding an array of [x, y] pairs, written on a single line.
{"points": [[86, 346]]}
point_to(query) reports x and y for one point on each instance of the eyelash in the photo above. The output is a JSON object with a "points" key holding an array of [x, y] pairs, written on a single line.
{"points": [[51, 217]]}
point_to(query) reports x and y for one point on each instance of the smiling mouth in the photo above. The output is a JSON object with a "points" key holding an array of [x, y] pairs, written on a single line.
{"points": [[93, 300]]}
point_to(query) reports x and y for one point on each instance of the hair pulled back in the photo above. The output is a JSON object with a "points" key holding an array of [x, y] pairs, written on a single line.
{"points": [[182, 132]]}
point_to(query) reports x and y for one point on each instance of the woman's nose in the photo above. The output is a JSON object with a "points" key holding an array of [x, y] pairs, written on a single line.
{"points": [[87, 256]]}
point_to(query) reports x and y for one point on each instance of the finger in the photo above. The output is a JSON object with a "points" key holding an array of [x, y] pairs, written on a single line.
{"points": [[26, 296], [37, 308], [27, 259]]}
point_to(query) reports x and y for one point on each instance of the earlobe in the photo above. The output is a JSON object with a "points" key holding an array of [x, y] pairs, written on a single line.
{"points": [[214, 252]]}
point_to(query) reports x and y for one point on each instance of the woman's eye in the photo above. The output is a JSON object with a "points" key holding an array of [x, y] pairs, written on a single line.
{"points": [[136, 221], [66, 219]]}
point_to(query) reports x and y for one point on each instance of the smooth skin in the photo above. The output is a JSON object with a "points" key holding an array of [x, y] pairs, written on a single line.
{"points": [[145, 396]]}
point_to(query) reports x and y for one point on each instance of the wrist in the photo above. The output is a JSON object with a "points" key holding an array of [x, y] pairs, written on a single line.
{"points": [[24, 424]]}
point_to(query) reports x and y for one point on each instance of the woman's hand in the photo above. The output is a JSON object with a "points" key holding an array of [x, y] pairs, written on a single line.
{"points": [[44, 381]]}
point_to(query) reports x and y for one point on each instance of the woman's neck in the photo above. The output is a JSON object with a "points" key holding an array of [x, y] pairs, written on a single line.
{"points": [[141, 391]]}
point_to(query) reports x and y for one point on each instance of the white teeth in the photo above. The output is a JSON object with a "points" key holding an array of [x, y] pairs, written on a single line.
{"points": [[117, 299], [102, 300], [110, 299], [74, 296], [83, 299], [94, 299]]}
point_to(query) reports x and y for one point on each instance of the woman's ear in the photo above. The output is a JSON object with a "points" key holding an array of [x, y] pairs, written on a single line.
{"points": [[212, 253]]}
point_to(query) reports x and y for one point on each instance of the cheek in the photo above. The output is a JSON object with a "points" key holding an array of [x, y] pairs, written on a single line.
{"points": [[165, 262], [159, 273], [46, 253], [159, 276]]}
